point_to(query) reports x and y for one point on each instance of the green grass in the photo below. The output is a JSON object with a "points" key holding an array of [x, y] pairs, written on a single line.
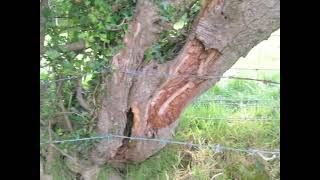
{"points": [[179, 162]]}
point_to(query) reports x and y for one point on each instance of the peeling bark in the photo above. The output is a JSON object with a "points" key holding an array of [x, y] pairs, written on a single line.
{"points": [[223, 32]]}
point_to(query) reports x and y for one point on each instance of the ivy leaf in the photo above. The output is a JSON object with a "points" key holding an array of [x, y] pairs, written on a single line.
{"points": [[93, 18], [46, 12], [87, 2], [182, 21], [68, 68], [148, 54], [98, 3], [52, 54]]}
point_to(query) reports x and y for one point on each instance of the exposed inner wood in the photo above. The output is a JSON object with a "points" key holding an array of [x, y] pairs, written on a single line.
{"points": [[178, 91]]}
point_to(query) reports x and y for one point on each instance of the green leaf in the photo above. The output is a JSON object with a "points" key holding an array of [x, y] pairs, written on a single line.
{"points": [[98, 3], [182, 21], [52, 54], [93, 18], [148, 54], [46, 12], [87, 2]]}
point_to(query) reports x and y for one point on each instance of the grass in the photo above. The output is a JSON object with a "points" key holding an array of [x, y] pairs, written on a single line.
{"points": [[178, 162], [252, 100]]}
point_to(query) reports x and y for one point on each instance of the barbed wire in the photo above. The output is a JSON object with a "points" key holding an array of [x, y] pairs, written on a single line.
{"points": [[215, 147], [226, 103], [136, 73], [245, 101], [229, 119], [235, 99], [203, 102], [238, 69], [223, 103], [254, 69]]}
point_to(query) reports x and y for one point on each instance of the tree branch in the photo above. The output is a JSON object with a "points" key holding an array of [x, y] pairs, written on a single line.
{"points": [[64, 154], [61, 105], [75, 46], [51, 152], [80, 99]]}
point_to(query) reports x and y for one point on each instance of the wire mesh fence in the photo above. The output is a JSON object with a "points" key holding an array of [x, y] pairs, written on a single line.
{"points": [[136, 73], [221, 101]]}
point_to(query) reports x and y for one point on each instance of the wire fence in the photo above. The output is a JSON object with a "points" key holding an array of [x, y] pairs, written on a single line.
{"points": [[254, 69], [240, 104], [216, 147], [137, 73], [230, 118], [232, 100]]}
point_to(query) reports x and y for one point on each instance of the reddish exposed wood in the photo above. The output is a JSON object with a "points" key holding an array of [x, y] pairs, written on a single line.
{"points": [[176, 92]]}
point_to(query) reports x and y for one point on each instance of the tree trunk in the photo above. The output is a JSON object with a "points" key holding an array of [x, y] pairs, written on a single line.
{"points": [[149, 104]]}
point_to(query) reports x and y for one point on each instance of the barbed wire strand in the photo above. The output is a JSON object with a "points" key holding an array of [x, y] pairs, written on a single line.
{"points": [[216, 147], [201, 99], [254, 69], [136, 73], [231, 119], [233, 103]]}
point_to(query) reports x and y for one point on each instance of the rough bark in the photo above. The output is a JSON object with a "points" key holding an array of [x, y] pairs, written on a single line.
{"points": [[149, 104]]}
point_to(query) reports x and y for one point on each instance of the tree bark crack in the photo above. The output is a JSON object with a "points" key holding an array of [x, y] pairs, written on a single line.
{"points": [[127, 132]]}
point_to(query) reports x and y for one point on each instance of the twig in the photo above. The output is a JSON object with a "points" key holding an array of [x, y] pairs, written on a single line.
{"points": [[118, 27], [92, 124], [50, 150], [261, 80], [71, 113], [94, 94], [49, 130], [64, 154], [80, 99], [267, 158], [42, 122], [216, 175], [61, 105], [75, 46], [51, 145]]}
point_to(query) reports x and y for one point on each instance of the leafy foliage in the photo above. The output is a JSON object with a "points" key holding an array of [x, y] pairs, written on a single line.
{"points": [[100, 23], [172, 40]]}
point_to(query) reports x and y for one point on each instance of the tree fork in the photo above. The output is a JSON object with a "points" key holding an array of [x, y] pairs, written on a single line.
{"points": [[223, 32]]}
